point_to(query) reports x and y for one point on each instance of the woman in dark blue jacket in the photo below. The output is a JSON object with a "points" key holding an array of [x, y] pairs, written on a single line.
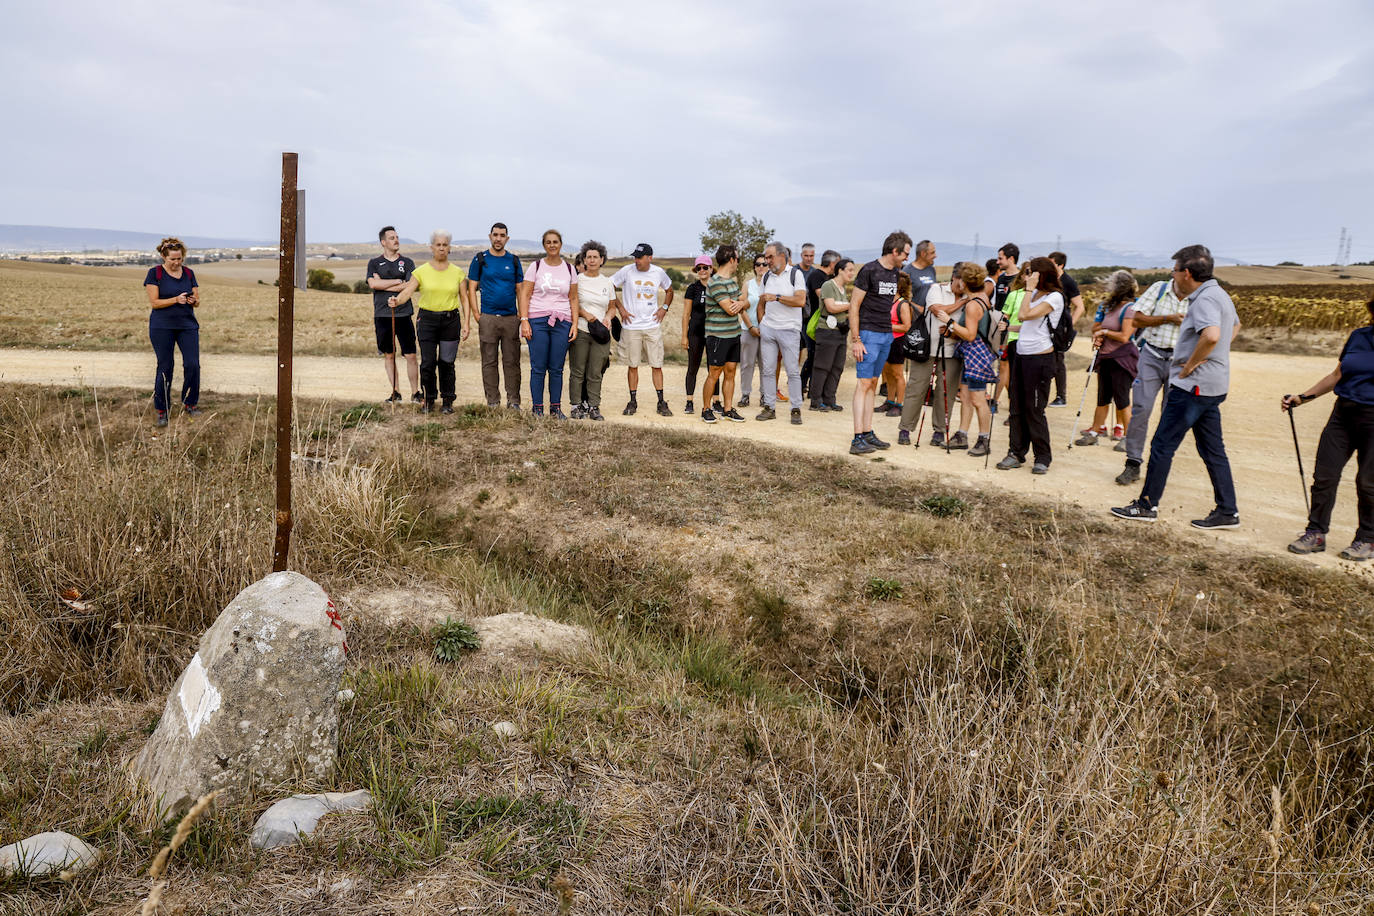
{"points": [[174, 294], [1350, 430]]}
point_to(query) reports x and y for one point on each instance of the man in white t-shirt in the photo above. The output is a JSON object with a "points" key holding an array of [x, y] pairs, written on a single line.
{"points": [[641, 337], [780, 323]]}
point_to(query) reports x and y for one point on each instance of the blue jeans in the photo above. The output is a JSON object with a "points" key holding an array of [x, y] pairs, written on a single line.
{"points": [[548, 352], [1202, 414], [165, 341]]}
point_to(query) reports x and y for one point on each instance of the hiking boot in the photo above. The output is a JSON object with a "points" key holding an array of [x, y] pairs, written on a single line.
{"points": [[1136, 511], [162, 418], [743, 402], [1059, 402], [447, 408], [1120, 445], [556, 413], [1216, 519], [733, 414], [537, 410], [1358, 551], [1009, 463], [1130, 475], [417, 398], [664, 410], [595, 414], [980, 448], [1039, 468], [578, 413], [767, 413], [395, 396], [937, 439], [192, 412], [630, 408], [874, 441], [903, 437], [959, 440], [691, 406], [861, 446], [796, 416], [1310, 542], [708, 416], [893, 410], [836, 408], [1088, 437]]}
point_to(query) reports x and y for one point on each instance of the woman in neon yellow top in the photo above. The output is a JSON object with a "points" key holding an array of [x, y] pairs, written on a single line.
{"points": [[443, 296]]}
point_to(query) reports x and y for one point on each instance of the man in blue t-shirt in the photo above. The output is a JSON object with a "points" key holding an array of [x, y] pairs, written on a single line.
{"points": [[387, 275], [492, 279]]}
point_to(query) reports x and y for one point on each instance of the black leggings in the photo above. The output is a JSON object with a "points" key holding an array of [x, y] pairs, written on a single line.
{"points": [[1350, 430], [696, 346], [828, 365]]}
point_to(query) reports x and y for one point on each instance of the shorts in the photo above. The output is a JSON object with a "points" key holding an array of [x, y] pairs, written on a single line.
{"points": [[976, 387], [645, 344], [405, 333], [897, 355], [722, 350], [877, 346]]}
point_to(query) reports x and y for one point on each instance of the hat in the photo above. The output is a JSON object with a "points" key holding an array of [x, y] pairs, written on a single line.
{"points": [[643, 249], [600, 333], [702, 261]]}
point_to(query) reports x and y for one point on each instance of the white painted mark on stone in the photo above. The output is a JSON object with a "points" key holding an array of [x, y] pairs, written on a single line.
{"points": [[199, 697]]}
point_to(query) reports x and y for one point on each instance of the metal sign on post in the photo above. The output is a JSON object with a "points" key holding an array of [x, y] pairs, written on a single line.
{"points": [[301, 266], [290, 273]]}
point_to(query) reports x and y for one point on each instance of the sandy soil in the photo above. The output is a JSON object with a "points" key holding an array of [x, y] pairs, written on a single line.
{"points": [[1257, 433]]}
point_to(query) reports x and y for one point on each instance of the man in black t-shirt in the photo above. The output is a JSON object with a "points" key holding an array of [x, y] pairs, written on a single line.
{"points": [[1007, 256], [870, 333], [1073, 300], [386, 275]]}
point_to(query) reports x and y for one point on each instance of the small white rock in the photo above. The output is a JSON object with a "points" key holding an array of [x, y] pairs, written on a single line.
{"points": [[344, 696], [46, 853], [285, 822], [506, 730]]}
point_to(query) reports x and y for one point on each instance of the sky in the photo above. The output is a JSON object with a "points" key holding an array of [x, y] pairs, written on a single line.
{"points": [[1247, 125]]}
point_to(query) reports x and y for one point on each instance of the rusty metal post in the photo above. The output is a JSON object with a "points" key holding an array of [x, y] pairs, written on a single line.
{"points": [[286, 308]]}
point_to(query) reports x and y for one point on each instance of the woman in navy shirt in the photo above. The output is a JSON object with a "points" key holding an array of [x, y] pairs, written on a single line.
{"points": [[1350, 430], [174, 294]]}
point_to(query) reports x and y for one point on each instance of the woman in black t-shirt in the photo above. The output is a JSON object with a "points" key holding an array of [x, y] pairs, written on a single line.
{"points": [[174, 294]]}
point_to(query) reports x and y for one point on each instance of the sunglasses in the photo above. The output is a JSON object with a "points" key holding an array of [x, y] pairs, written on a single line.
{"points": [[699, 268]]}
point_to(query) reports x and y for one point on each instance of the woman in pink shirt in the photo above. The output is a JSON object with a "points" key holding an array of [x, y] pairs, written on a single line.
{"points": [[547, 303]]}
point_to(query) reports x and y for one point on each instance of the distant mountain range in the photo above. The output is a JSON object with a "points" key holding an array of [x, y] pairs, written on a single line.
{"points": [[27, 239]]}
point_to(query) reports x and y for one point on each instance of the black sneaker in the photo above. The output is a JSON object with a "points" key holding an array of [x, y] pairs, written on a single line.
{"points": [[874, 441], [1136, 511], [767, 413], [691, 406], [818, 406], [743, 402], [595, 414], [733, 414], [796, 416], [717, 406], [418, 398], [708, 416], [447, 408], [903, 437], [1059, 402], [835, 408], [1129, 476], [395, 396], [664, 410], [1310, 542], [426, 406], [630, 408], [861, 446], [1216, 519]]}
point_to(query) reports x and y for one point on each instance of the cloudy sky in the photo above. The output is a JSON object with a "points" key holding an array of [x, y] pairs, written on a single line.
{"points": [[1245, 124]]}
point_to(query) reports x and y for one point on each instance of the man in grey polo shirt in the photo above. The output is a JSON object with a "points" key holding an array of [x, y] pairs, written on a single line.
{"points": [[1159, 311], [1199, 377]]}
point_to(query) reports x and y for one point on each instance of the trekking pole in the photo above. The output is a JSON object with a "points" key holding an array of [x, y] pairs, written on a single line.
{"points": [[395, 345], [928, 396], [1302, 475], [1083, 400], [944, 387]]}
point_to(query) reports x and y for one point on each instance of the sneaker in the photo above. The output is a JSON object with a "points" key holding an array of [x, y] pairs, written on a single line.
{"points": [[796, 416], [1136, 511], [861, 446], [742, 402], [1039, 468], [1059, 402], [959, 440], [595, 414], [893, 410], [578, 413], [1118, 433], [162, 418], [1310, 542], [980, 448], [767, 413], [556, 413], [664, 410], [426, 406], [708, 416], [513, 405], [1358, 551], [630, 408], [1009, 463], [882, 390], [192, 412], [1088, 437], [1216, 519], [818, 406], [903, 437], [447, 408], [691, 406], [395, 396], [834, 408], [782, 396], [937, 439], [1129, 476], [417, 398], [717, 406], [874, 441], [1120, 445], [537, 410], [733, 414]]}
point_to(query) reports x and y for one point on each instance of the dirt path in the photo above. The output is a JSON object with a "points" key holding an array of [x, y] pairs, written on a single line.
{"points": [[1257, 435]]}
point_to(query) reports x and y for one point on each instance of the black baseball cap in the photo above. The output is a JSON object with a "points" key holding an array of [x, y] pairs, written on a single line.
{"points": [[643, 249]]}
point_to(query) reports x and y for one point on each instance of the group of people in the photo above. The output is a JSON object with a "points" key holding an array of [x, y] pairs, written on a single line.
{"points": [[1004, 325]]}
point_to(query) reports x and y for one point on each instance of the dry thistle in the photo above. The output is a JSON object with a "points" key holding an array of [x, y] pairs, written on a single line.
{"points": [[563, 887]]}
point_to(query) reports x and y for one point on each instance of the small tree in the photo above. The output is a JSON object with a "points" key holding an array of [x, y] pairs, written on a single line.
{"points": [[319, 278], [361, 286], [729, 228]]}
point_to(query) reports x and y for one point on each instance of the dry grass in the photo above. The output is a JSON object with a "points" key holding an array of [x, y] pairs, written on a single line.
{"points": [[1056, 715]]}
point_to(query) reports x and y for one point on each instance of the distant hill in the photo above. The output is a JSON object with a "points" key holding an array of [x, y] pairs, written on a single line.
{"points": [[24, 239]]}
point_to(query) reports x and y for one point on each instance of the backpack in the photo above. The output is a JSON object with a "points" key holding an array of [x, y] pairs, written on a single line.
{"points": [[190, 275], [1138, 338], [482, 264], [1062, 333]]}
